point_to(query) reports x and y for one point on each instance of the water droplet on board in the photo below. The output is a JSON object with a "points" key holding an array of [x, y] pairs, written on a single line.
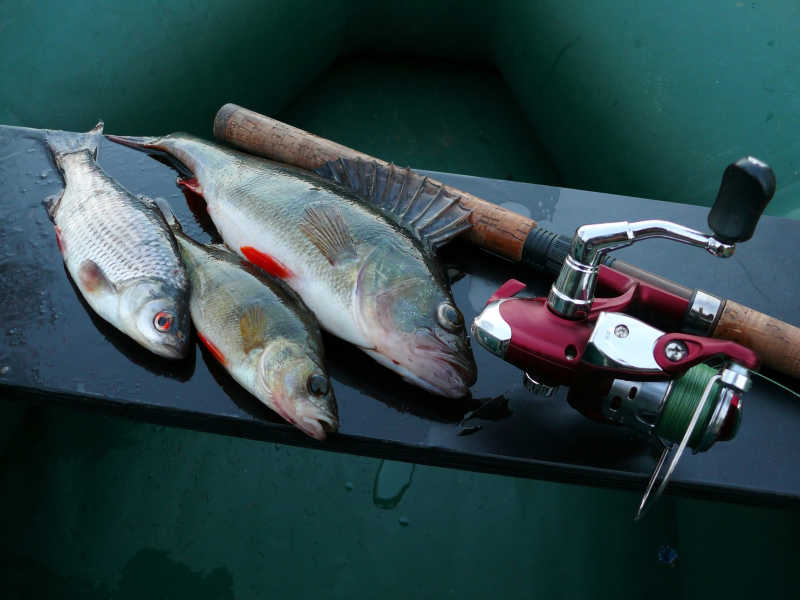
{"points": [[403, 521], [392, 481], [668, 555]]}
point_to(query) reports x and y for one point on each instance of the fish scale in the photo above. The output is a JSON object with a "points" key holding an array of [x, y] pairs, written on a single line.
{"points": [[100, 220]]}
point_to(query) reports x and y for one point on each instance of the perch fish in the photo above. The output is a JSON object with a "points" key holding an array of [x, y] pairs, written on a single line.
{"points": [[260, 331]]}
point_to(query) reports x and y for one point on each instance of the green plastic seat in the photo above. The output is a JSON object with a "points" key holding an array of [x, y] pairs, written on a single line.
{"points": [[619, 97]]}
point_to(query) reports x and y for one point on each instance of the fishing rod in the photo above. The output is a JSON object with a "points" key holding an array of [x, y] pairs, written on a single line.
{"points": [[519, 239], [681, 389]]}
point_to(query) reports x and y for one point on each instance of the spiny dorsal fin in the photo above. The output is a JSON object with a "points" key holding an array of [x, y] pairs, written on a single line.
{"points": [[325, 227], [427, 210], [252, 324]]}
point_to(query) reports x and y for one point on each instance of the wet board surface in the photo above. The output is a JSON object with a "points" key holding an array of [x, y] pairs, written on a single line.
{"points": [[54, 349]]}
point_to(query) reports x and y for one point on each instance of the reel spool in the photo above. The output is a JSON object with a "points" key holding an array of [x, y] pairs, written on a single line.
{"points": [[695, 410], [664, 408]]}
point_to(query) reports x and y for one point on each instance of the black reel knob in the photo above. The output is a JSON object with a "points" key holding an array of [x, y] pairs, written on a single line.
{"points": [[747, 186]]}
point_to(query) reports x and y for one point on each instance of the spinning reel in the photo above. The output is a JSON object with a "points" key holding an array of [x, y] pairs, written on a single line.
{"points": [[621, 369]]}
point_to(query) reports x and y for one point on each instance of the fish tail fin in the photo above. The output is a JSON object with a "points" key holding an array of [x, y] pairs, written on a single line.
{"points": [[67, 142], [428, 210], [169, 216]]}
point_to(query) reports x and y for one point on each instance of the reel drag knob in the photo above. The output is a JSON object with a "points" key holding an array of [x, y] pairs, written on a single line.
{"points": [[747, 186]]}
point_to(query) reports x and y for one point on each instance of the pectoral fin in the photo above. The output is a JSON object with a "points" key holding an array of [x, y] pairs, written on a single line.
{"points": [[252, 324], [325, 227], [92, 278]]}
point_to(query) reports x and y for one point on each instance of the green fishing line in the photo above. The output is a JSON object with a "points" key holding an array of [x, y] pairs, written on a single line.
{"points": [[682, 402], [777, 384]]}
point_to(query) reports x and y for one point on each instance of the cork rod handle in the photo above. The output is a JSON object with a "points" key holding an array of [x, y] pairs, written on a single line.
{"points": [[776, 343]]}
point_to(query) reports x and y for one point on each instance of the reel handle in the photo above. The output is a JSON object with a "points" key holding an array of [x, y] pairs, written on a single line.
{"points": [[746, 188]]}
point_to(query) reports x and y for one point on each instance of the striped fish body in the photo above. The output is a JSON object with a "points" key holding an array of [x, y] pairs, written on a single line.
{"points": [[263, 335], [118, 250], [364, 277]]}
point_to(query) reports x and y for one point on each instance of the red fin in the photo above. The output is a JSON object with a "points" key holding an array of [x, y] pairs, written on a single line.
{"points": [[92, 277], [60, 240], [213, 349], [266, 262], [190, 184]]}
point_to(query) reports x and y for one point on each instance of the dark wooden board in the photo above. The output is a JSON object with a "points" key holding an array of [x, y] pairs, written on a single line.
{"points": [[54, 349]]}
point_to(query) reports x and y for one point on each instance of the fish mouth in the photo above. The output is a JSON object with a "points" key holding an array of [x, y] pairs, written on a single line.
{"points": [[452, 372], [313, 421], [318, 425], [437, 368], [459, 373], [176, 351]]}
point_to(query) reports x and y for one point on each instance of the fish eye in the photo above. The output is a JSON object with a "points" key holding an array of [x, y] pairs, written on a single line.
{"points": [[317, 385], [449, 317], [162, 321]]}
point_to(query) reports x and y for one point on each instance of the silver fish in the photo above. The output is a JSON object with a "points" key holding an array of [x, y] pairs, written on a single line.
{"points": [[118, 249], [367, 279], [260, 331]]}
